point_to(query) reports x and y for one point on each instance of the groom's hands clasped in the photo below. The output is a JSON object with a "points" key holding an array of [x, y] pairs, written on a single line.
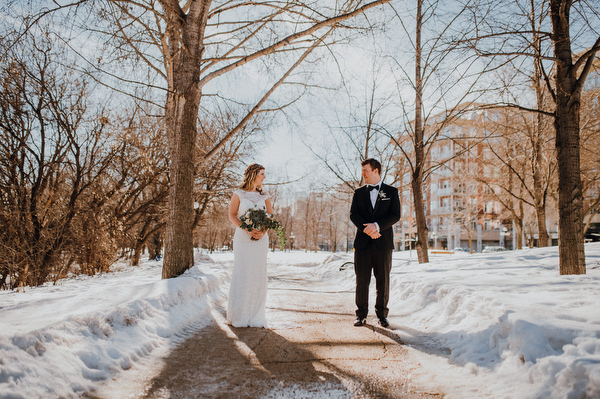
{"points": [[371, 230]]}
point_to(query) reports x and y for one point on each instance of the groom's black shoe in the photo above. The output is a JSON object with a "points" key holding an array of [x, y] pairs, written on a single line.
{"points": [[360, 322], [383, 322]]}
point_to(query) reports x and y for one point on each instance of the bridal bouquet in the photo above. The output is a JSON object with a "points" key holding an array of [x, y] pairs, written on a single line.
{"points": [[258, 219]]}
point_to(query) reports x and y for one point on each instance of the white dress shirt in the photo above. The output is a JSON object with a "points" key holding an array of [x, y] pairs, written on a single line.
{"points": [[373, 194]]}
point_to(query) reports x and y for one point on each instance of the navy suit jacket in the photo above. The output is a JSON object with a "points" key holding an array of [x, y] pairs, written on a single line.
{"points": [[386, 213]]}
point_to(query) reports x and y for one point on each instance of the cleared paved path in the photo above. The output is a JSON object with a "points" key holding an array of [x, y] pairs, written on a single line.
{"points": [[317, 353]]}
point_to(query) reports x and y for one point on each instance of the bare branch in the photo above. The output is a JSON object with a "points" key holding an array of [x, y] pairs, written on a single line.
{"points": [[257, 107], [290, 40]]}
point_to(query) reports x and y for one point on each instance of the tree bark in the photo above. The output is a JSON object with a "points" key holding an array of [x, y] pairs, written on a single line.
{"points": [[540, 211], [183, 103], [568, 95], [519, 234], [517, 217], [539, 191], [417, 175], [185, 32]]}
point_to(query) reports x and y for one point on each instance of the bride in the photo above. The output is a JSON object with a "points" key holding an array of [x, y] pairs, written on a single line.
{"points": [[248, 289]]}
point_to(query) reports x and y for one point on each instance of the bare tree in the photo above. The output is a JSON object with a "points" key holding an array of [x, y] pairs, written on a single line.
{"points": [[436, 91], [337, 214], [214, 231], [570, 77], [359, 131], [538, 136], [185, 39], [525, 179], [139, 185], [590, 145], [522, 38], [514, 187], [53, 162]]}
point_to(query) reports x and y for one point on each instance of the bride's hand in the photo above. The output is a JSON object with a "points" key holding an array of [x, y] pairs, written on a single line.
{"points": [[257, 234]]}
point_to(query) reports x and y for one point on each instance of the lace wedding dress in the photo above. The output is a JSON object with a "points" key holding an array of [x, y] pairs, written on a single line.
{"points": [[248, 289]]}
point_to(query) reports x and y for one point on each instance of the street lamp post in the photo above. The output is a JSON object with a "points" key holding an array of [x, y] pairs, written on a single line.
{"points": [[434, 238], [505, 233]]}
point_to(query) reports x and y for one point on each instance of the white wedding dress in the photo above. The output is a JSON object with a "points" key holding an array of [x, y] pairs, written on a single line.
{"points": [[248, 289]]}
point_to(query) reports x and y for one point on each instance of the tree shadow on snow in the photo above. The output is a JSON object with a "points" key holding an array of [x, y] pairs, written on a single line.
{"points": [[484, 348]]}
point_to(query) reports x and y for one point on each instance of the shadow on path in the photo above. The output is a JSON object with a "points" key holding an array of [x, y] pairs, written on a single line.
{"points": [[323, 356], [225, 362]]}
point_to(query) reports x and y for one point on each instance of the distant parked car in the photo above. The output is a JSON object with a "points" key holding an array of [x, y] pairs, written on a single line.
{"points": [[493, 249], [592, 233], [460, 249]]}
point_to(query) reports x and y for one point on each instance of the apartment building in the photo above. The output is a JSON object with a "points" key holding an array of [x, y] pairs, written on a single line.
{"points": [[461, 209]]}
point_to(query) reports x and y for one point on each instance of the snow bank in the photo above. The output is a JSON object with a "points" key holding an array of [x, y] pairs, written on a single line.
{"points": [[500, 325], [74, 335], [509, 320]]}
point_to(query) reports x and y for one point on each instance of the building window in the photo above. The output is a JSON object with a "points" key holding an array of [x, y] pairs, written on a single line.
{"points": [[487, 224], [458, 204], [488, 207], [472, 169]]}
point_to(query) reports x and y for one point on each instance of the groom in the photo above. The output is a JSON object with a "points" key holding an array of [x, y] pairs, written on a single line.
{"points": [[374, 210]]}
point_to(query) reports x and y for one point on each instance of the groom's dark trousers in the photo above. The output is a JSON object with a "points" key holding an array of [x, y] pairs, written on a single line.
{"points": [[374, 255]]}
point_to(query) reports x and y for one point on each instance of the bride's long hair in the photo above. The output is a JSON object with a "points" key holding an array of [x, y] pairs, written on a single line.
{"points": [[250, 176]]}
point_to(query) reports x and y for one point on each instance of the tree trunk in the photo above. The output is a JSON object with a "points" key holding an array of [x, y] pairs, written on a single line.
{"points": [[519, 227], [570, 194], [538, 190], [417, 176], [517, 218], [137, 254], [155, 246], [182, 107], [540, 211], [538, 185], [185, 38], [421, 244]]}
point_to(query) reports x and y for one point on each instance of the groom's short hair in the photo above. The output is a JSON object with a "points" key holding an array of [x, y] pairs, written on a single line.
{"points": [[375, 164]]}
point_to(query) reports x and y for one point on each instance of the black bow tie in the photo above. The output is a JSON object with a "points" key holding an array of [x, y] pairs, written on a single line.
{"points": [[372, 187]]}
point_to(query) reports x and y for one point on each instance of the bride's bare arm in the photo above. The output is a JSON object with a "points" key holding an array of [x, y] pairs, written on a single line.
{"points": [[234, 205], [269, 206]]}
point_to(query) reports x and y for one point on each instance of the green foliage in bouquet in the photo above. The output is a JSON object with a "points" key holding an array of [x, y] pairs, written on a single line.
{"points": [[259, 219], [281, 238]]}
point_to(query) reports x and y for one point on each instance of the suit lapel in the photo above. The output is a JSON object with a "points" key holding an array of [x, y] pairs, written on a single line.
{"points": [[378, 199], [368, 200]]}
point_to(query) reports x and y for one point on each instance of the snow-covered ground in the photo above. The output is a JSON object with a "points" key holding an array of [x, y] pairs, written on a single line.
{"points": [[499, 325]]}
